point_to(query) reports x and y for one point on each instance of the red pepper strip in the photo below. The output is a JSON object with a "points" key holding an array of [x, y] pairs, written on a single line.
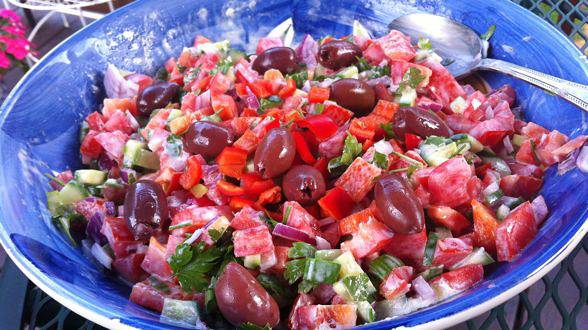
{"points": [[192, 174], [360, 130], [270, 196], [249, 112], [232, 161], [229, 189], [237, 203], [321, 164], [241, 89], [323, 127], [254, 185], [338, 114], [260, 89], [288, 90], [412, 141], [318, 94], [336, 203], [302, 148]]}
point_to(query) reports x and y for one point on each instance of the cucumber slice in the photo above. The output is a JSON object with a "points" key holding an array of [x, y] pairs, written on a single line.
{"points": [[72, 192], [252, 261], [181, 312], [90, 177], [54, 204], [328, 254], [478, 257], [131, 152], [517, 140], [199, 190], [498, 164], [355, 288], [147, 159], [407, 98], [502, 212], [348, 72], [475, 145], [458, 105], [435, 155], [349, 266], [366, 311]]}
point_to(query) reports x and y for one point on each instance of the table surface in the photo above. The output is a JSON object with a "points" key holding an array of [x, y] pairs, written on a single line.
{"points": [[558, 301]]}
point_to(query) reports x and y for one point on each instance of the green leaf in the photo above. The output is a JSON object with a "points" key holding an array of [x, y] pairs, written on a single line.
{"points": [[412, 78], [380, 160], [269, 103], [214, 234], [351, 150], [376, 71], [280, 291], [388, 130], [300, 78], [305, 286], [488, 34], [424, 43], [294, 270], [251, 326], [181, 257], [301, 250], [161, 74], [430, 249], [191, 75]]}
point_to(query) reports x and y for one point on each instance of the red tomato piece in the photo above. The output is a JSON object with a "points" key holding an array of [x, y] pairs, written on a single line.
{"points": [[534, 131], [144, 294], [442, 86], [111, 105], [516, 231], [358, 179], [412, 141], [251, 241], [520, 186], [287, 90], [129, 267], [525, 154], [548, 145], [246, 218], [303, 299], [113, 143], [336, 203], [314, 317], [450, 251], [462, 278], [95, 121], [197, 217], [397, 282], [396, 46], [225, 106], [90, 146], [448, 182], [485, 224], [449, 218], [409, 248], [119, 237], [298, 217], [370, 238], [155, 262]]}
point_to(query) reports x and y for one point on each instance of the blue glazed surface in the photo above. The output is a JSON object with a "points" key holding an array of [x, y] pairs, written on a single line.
{"points": [[39, 125]]}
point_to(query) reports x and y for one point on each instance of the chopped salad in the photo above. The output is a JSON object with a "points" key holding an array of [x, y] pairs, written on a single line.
{"points": [[333, 184]]}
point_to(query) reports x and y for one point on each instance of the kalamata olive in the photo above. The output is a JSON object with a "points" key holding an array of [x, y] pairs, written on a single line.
{"points": [[338, 54], [303, 184], [420, 122], [275, 153], [207, 139], [157, 96], [114, 194], [145, 208], [398, 205], [354, 95], [241, 299], [282, 59]]}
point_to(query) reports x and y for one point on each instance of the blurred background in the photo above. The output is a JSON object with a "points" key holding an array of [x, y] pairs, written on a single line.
{"points": [[31, 28]]}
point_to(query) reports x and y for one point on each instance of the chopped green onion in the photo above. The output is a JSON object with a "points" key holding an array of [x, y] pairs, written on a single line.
{"points": [[432, 272], [294, 270], [287, 213], [328, 254], [488, 34], [430, 249], [382, 265], [180, 225], [494, 197]]}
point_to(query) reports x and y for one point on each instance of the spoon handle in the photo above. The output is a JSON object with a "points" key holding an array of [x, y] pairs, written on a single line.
{"points": [[573, 92]]}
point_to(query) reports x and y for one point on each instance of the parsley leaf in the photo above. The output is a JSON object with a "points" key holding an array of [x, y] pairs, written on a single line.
{"points": [[193, 264], [214, 234], [277, 288], [301, 250], [412, 78], [269, 103], [294, 270], [375, 71], [300, 78], [388, 130], [488, 34], [351, 150], [380, 160], [181, 257], [424, 43]]}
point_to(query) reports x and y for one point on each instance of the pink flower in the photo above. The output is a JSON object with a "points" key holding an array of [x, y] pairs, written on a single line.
{"points": [[19, 48], [7, 13], [14, 30], [4, 61]]}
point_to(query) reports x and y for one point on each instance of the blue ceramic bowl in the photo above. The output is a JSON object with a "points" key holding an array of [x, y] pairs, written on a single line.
{"points": [[39, 128]]}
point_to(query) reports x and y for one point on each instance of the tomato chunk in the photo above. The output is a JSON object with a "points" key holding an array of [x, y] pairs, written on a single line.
{"points": [[314, 317], [397, 282], [516, 232]]}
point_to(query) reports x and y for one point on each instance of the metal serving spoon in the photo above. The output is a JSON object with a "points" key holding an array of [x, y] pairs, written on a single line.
{"points": [[461, 45]]}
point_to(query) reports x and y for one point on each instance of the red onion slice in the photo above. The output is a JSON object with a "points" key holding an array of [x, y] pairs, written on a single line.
{"points": [[423, 289], [582, 160], [540, 209], [292, 234], [322, 244], [326, 221]]}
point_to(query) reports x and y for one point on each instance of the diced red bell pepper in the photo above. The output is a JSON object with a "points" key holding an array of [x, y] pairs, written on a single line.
{"points": [[155, 262], [237, 203], [229, 189], [462, 278], [371, 237], [95, 121], [358, 179], [331, 233], [318, 94], [252, 241], [485, 225], [350, 224], [385, 109], [449, 218], [360, 130], [254, 184], [302, 148], [516, 232], [287, 90], [397, 282], [169, 180], [232, 161], [248, 141], [412, 141], [322, 126], [292, 116], [192, 174], [270, 196], [336, 203], [322, 164], [448, 182], [314, 317], [261, 88], [282, 258], [90, 146], [520, 186], [338, 114]]}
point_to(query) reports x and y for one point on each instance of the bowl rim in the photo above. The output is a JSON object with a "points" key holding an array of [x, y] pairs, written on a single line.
{"points": [[450, 317]]}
